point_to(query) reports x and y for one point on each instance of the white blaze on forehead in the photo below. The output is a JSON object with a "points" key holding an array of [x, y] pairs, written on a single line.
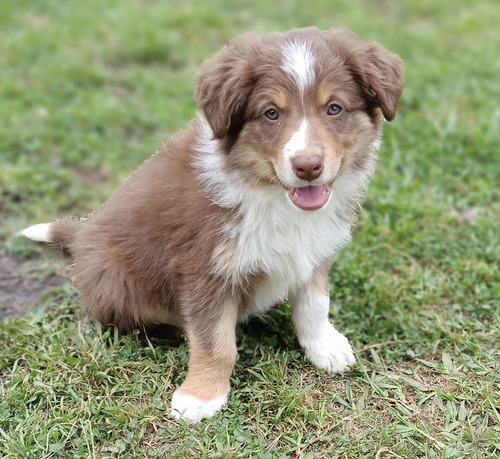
{"points": [[297, 142], [298, 62]]}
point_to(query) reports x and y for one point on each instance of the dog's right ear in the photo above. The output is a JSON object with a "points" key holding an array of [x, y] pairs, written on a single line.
{"points": [[224, 83]]}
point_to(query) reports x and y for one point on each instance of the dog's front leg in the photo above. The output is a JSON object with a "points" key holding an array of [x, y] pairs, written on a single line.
{"points": [[323, 344], [212, 355]]}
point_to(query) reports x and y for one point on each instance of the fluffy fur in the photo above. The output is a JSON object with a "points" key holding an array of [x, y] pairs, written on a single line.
{"points": [[245, 207]]}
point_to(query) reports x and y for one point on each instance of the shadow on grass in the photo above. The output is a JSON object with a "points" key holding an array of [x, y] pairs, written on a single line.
{"points": [[273, 329]]}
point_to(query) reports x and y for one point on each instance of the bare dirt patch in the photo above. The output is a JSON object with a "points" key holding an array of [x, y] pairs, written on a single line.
{"points": [[23, 283]]}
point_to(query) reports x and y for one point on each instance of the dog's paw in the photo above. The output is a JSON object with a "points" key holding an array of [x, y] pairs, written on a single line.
{"points": [[194, 410], [330, 351]]}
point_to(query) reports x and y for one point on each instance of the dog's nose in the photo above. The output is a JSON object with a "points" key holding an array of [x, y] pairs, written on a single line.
{"points": [[307, 167]]}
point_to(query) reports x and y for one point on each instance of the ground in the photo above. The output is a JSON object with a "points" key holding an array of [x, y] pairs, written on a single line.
{"points": [[23, 283]]}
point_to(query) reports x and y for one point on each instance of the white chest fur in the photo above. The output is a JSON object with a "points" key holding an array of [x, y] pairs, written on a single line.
{"points": [[273, 237]]}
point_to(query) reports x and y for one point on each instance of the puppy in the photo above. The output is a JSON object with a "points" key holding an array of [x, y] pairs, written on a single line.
{"points": [[246, 206]]}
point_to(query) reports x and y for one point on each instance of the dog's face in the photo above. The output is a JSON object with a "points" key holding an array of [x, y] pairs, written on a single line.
{"points": [[297, 110]]}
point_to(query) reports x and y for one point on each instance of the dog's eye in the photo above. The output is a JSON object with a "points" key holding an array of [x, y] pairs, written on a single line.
{"points": [[272, 114], [334, 109]]}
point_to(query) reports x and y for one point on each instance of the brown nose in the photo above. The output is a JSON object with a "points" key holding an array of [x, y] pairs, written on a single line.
{"points": [[307, 167]]}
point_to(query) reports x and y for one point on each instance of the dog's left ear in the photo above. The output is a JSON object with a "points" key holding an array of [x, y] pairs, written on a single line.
{"points": [[380, 74], [224, 83]]}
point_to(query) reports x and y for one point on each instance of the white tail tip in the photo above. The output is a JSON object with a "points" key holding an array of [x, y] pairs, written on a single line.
{"points": [[39, 232]]}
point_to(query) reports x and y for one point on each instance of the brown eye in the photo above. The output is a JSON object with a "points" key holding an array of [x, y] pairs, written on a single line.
{"points": [[272, 114], [334, 109]]}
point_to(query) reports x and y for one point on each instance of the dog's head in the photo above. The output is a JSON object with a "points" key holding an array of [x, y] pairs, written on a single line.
{"points": [[298, 109]]}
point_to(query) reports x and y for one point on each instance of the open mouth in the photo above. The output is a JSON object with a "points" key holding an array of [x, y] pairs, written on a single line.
{"points": [[310, 197]]}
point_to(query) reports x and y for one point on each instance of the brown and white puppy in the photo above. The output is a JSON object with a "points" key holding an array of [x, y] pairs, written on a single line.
{"points": [[248, 205]]}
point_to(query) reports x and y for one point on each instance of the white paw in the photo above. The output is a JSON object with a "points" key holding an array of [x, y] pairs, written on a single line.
{"points": [[194, 410], [330, 351]]}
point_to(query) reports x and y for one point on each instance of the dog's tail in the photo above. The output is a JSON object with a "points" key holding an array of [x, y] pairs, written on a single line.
{"points": [[60, 233]]}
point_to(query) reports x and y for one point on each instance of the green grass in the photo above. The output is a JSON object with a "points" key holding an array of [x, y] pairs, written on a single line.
{"points": [[87, 92]]}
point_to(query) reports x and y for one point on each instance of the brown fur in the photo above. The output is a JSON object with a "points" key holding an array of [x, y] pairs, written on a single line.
{"points": [[211, 363], [147, 257]]}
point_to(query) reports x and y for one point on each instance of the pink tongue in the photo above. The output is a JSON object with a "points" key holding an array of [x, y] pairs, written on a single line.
{"points": [[310, 197]]}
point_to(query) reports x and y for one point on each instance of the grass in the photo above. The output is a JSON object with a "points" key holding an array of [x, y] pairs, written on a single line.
{"points": [[88, 92]]}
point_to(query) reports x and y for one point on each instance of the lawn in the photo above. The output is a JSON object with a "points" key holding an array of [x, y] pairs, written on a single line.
{"points": [[89, 89]]}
